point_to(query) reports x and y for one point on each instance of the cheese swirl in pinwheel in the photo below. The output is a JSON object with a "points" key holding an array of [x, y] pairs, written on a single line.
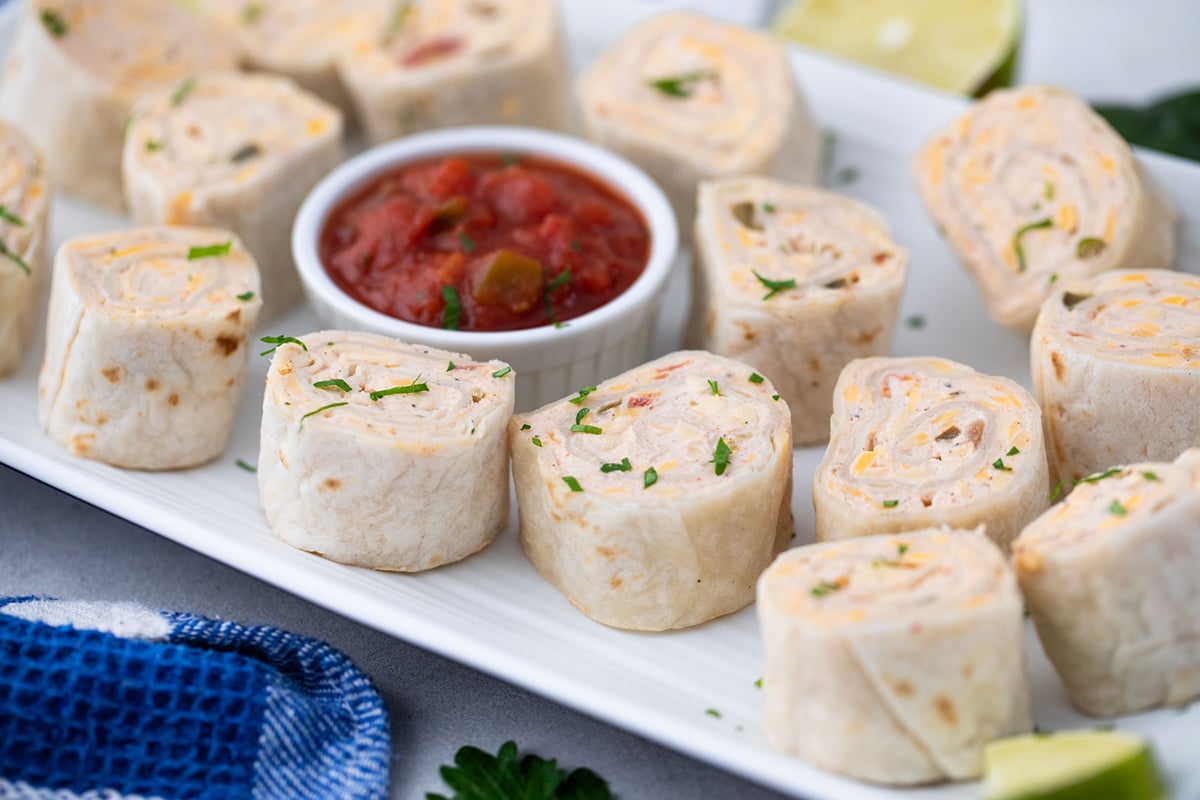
{"points": [[382, 454], [146, 345], [1032, 188], [77, 68], [1112, 579], [689, 98], [24, 204], [654, 500], [925, 441], [797, 282], [1116, 369], [439, 63], [893, 659], [240, 152]]}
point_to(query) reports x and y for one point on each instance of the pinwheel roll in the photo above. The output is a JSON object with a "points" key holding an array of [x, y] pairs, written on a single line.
{"points": [[438, 63], [302, 39], [893, 659], [924, 441], [1032, 188], [1116, 369], [78, 67], [1112, 579], [240, 152], [145, 345], [24, 204], [655, 500], [382, 454], [689, 98], [797, 282]]}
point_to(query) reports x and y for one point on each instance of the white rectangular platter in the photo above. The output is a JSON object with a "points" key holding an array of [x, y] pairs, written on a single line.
{"points": [[494, 613]]}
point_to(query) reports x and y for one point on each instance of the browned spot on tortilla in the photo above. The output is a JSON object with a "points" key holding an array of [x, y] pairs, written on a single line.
{"points": [[814, 364], [112, 373], [967, 671], [151, 385], [615, 583], [608, 553], [975, 432], [229, 383], [1060, 369], [228, 344], [867, 337], [234, 316], [903, 688], [173, 399], [926, 500], [101, 419], [330, 484], [282, 460], [945, 709], [748, 332], [879, 258], [81, 445]]}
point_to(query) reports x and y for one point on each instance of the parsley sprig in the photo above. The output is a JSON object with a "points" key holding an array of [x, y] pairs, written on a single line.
{"points": [[681, 86], [775, 286], [477, 775]]}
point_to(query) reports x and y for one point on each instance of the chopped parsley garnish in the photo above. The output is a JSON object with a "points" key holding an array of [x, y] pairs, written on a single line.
{"points": [[774, 397], [563, 279], [572, 484], [592, 429], [847, 175], [209, 251], [720, 456], [452, 313], [1058, 487], [712, 712], [758, 683], [500, 373], [1054, 277], [1117, 509], [14, 258], [11, 218], [767, 207], [536, 441], [901, 549], [755, 378], [999, 464], [243, 465], [251, 12], [324, 408], [154, 145], [1090, 247], [916, 322], [245, 297], [583, 393], [412, 388], [526, 427], [467, 243], [890, 503], [583, 412], [1012, 451], [775, 286], [823, 588], [713, 385], [649, 478], [477, 775], [246, 153], [1108, 473], [333, 383], [624, 466], [1150, 476], [1021, 231], [182, 92], [1048, 190], [450, 367], [55, 25], [280, 340], [681, 85]]}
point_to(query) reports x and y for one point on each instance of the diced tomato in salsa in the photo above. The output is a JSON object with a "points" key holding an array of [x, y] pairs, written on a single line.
{"points": [[523, 242]]}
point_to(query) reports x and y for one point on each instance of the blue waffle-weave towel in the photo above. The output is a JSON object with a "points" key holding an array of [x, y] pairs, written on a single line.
{"points": [[105, 701]]}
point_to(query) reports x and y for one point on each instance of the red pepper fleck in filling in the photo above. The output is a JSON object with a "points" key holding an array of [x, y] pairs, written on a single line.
{"points": [[525, 242]]}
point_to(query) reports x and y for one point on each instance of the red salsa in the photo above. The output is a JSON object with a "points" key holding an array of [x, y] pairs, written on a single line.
{"points": [[485, 243]]}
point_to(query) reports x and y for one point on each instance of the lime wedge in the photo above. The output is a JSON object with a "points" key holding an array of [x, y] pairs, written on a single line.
{"points": [[1074, 765], [963, 46]]}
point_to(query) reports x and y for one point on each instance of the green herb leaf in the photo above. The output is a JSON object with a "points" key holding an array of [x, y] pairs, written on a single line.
{"points": [[1021, 231], [847, 175], [246, 153], [11, 218], [323, 408], [1048, 190], [649, 478], [721, 456], [1171, 124], [55, 25], [583, 393], [890, 503], [251, 12], [758, 683], [209, 251], [412, 388], [526, 427], [681, 85], [823, 588], [1150, 476], [901, 549], [154, 145], [1117, 509], [774, 397], [916, 322], [467, 242], [775, 286], [1012, 451], [450, 367], [1054, 495], [712, 712], [572, 484], [452, 312], [243, 465], [624, 466], [500, 373], [477, 775], [563, 279], [245, 297], [182, 92], [1054, 277], [767, 207], [999, 464], [755, 378], [1108, 473], [536, 441], [333, 383], [1090, 247], [14, 258], [396, 22], [280, 340], [713, 385], [592, 429]]}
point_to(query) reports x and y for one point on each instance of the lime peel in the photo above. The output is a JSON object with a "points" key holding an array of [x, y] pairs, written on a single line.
{"points": [[1073, 765]]}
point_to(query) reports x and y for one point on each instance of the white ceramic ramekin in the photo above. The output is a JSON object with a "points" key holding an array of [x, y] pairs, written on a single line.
{"points": [[550, 362]]}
